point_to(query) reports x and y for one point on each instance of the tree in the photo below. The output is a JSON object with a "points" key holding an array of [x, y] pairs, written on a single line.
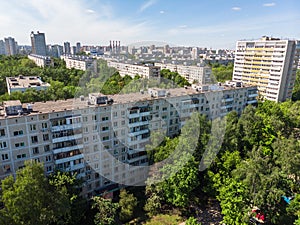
{"points": [[192, 221], [127, 204], [29, 199], [106, 211], [34, 199]]}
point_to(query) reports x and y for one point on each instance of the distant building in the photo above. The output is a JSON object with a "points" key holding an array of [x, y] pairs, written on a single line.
{"points": [[145, 71], [77, 62], [269, 63], [22, 83], [78, 47], [67, 48], [38, 43], [193, 74], [2, 47], [56, 51], [195, 53], [10, 46], [73, 50], [40, 60]]}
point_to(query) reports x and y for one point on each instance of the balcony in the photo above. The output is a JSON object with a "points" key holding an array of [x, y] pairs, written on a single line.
{"points": [[132, 134], [252, 102], [66, 138], [67, 149], [226, 106], [252, 95], [68, 159], [137, 158], [66, 127], [136, 124]]}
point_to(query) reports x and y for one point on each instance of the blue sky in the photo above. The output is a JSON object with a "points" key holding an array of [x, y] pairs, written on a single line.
{"points": [[209, 23]]}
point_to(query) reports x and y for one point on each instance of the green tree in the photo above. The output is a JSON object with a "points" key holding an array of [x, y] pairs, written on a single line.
{"points": [[127, 204], [29, 199], [106, 211]]}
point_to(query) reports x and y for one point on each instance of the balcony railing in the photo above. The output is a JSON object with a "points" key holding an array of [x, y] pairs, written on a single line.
{"points": [[66, 138], [66, 127]]}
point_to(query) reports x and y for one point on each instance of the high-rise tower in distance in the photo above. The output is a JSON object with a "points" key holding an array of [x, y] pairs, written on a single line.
{"points": [[269, 63], [38, 43]]}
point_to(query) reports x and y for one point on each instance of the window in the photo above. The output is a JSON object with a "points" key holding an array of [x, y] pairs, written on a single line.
{"points": [[47, 148], [105, 118], [21, 156], [2, 132], [105, 128], [32, 127], [46, 137], [115, 114], [48, 158], [3, 145], [18, 145], [44, 125], [35, 150], [105, 138], [94, 117], [6, 168], [18, 132], [34, 139], [122, 113], [4, 157], [85, 119], [49, 169], [115, 124]]}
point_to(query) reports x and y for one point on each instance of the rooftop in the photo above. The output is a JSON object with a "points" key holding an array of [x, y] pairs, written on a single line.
{"points": [[81, 103]]}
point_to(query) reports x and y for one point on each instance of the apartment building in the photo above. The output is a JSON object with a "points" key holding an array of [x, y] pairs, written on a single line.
{"points": [[77, 62], [269, 63], [22, 83], [145, 71], [103, 138], [193, 74], [41, 60]]}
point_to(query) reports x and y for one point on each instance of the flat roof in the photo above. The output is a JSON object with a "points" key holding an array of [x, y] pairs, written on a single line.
{"points": [[12, 103], [78, 103], [25, 82]]}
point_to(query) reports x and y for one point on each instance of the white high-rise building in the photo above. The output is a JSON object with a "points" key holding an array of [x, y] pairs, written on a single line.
{"points": [[269, 63]]}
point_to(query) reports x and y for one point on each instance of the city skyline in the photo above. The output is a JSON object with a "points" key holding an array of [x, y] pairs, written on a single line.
{"points": [[214, 24]]}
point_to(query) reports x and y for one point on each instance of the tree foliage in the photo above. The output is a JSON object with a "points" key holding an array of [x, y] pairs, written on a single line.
{"points": [[127, 204], [106, 211], [34, 199]]}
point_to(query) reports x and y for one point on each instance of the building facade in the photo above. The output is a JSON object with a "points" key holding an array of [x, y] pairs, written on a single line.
{"points": [[103, 138], [77, 62], [40, 60], [269, 63], [38, 43], [193, 74], [145, 71]]}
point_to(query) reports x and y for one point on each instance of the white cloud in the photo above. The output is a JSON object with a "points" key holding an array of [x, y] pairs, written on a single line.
{"points": [[89, 11], [236, 8], [183, 26], [146, 5], [82, 21], [162, 12], [269, 4]]}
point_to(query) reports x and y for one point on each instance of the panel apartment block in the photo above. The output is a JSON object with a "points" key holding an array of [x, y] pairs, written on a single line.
{"points": [[102, 138]]}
